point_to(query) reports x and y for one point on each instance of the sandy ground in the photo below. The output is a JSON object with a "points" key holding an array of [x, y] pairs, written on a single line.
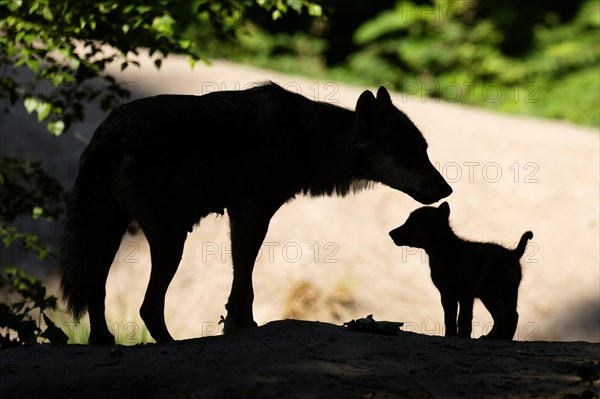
{"points": [[331, 260], [292, 359]]}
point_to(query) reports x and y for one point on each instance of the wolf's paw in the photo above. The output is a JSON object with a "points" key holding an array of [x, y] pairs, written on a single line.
{"points": [[490, 336], [97, 338], [231, 325]]}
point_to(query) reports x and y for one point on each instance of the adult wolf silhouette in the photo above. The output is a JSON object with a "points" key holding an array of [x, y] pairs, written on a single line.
{"points": [[168, 161]]}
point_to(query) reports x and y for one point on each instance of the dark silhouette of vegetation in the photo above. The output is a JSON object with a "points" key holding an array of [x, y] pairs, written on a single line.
{"points": [[17, 323]]}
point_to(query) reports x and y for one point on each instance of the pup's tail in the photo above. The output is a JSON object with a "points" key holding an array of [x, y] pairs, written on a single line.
{"points": [[520, 250], [93, 229]]}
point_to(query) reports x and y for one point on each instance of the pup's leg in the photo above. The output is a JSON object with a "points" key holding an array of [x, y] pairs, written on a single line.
{"points": [[465, 317], [450, 305], [166, 247], [248, 230], [512, 317], [512, 320], [493, 303]]}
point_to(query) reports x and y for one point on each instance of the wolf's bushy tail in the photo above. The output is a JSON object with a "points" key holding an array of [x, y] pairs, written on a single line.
{"points": [[93, 229], [520, 250]]}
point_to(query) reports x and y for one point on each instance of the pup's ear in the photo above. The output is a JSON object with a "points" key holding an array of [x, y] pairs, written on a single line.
{"points": [[383, 96], [366, 109], [445, 209]]}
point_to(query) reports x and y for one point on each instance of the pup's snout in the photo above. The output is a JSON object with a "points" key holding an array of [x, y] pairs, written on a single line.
{"points": [[396, 236]]}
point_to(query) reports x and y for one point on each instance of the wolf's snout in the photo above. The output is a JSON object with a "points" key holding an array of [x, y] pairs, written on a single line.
{"points": [[445, 191], [436, 189]]}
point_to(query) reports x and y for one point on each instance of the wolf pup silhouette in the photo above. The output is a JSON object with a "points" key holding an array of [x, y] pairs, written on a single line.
{"points": [[463, 270]]}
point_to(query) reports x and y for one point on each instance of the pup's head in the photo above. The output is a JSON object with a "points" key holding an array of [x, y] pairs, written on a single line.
{"points": [[423, 227], [393, 151]]}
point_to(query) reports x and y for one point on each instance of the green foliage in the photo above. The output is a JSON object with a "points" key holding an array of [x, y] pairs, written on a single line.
{"points": [[66, 46], [457, 50], [226, 17], [18, 317], [25, 189], [445, 49], [233, 34], [285, 52]]}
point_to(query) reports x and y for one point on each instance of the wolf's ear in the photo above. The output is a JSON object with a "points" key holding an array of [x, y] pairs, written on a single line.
{"points": [[367, 103], [383, 96], [366, 109], [445, 209]]}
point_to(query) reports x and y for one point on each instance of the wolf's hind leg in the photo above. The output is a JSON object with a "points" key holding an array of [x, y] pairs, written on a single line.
{"points": [[166, 248], [248, 230], [100, 257]]}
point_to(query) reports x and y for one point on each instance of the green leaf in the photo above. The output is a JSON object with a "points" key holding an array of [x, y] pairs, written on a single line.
{"points": [[43, 110], [33, 7], [164, 24], [33, 64], [386, 22], [294, 5], [56, 127], [14, 5], [47, 13], [30, 104], [54, 334], [184, 44], [37, 212], [315, 10]]}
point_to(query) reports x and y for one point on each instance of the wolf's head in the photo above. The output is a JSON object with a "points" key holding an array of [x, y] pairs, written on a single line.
{"points": [[393, 151], [424, 228]]}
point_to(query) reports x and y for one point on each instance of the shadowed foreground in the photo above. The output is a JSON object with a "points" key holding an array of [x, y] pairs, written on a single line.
{"points": [[305, 360]]}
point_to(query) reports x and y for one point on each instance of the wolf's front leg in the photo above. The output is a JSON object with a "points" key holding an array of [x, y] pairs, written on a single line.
{"points": [[248, 230], [166, 248]]}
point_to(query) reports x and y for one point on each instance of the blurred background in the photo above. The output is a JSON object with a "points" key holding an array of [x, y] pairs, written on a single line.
{"points": [[507, 94], [545, 52]]}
